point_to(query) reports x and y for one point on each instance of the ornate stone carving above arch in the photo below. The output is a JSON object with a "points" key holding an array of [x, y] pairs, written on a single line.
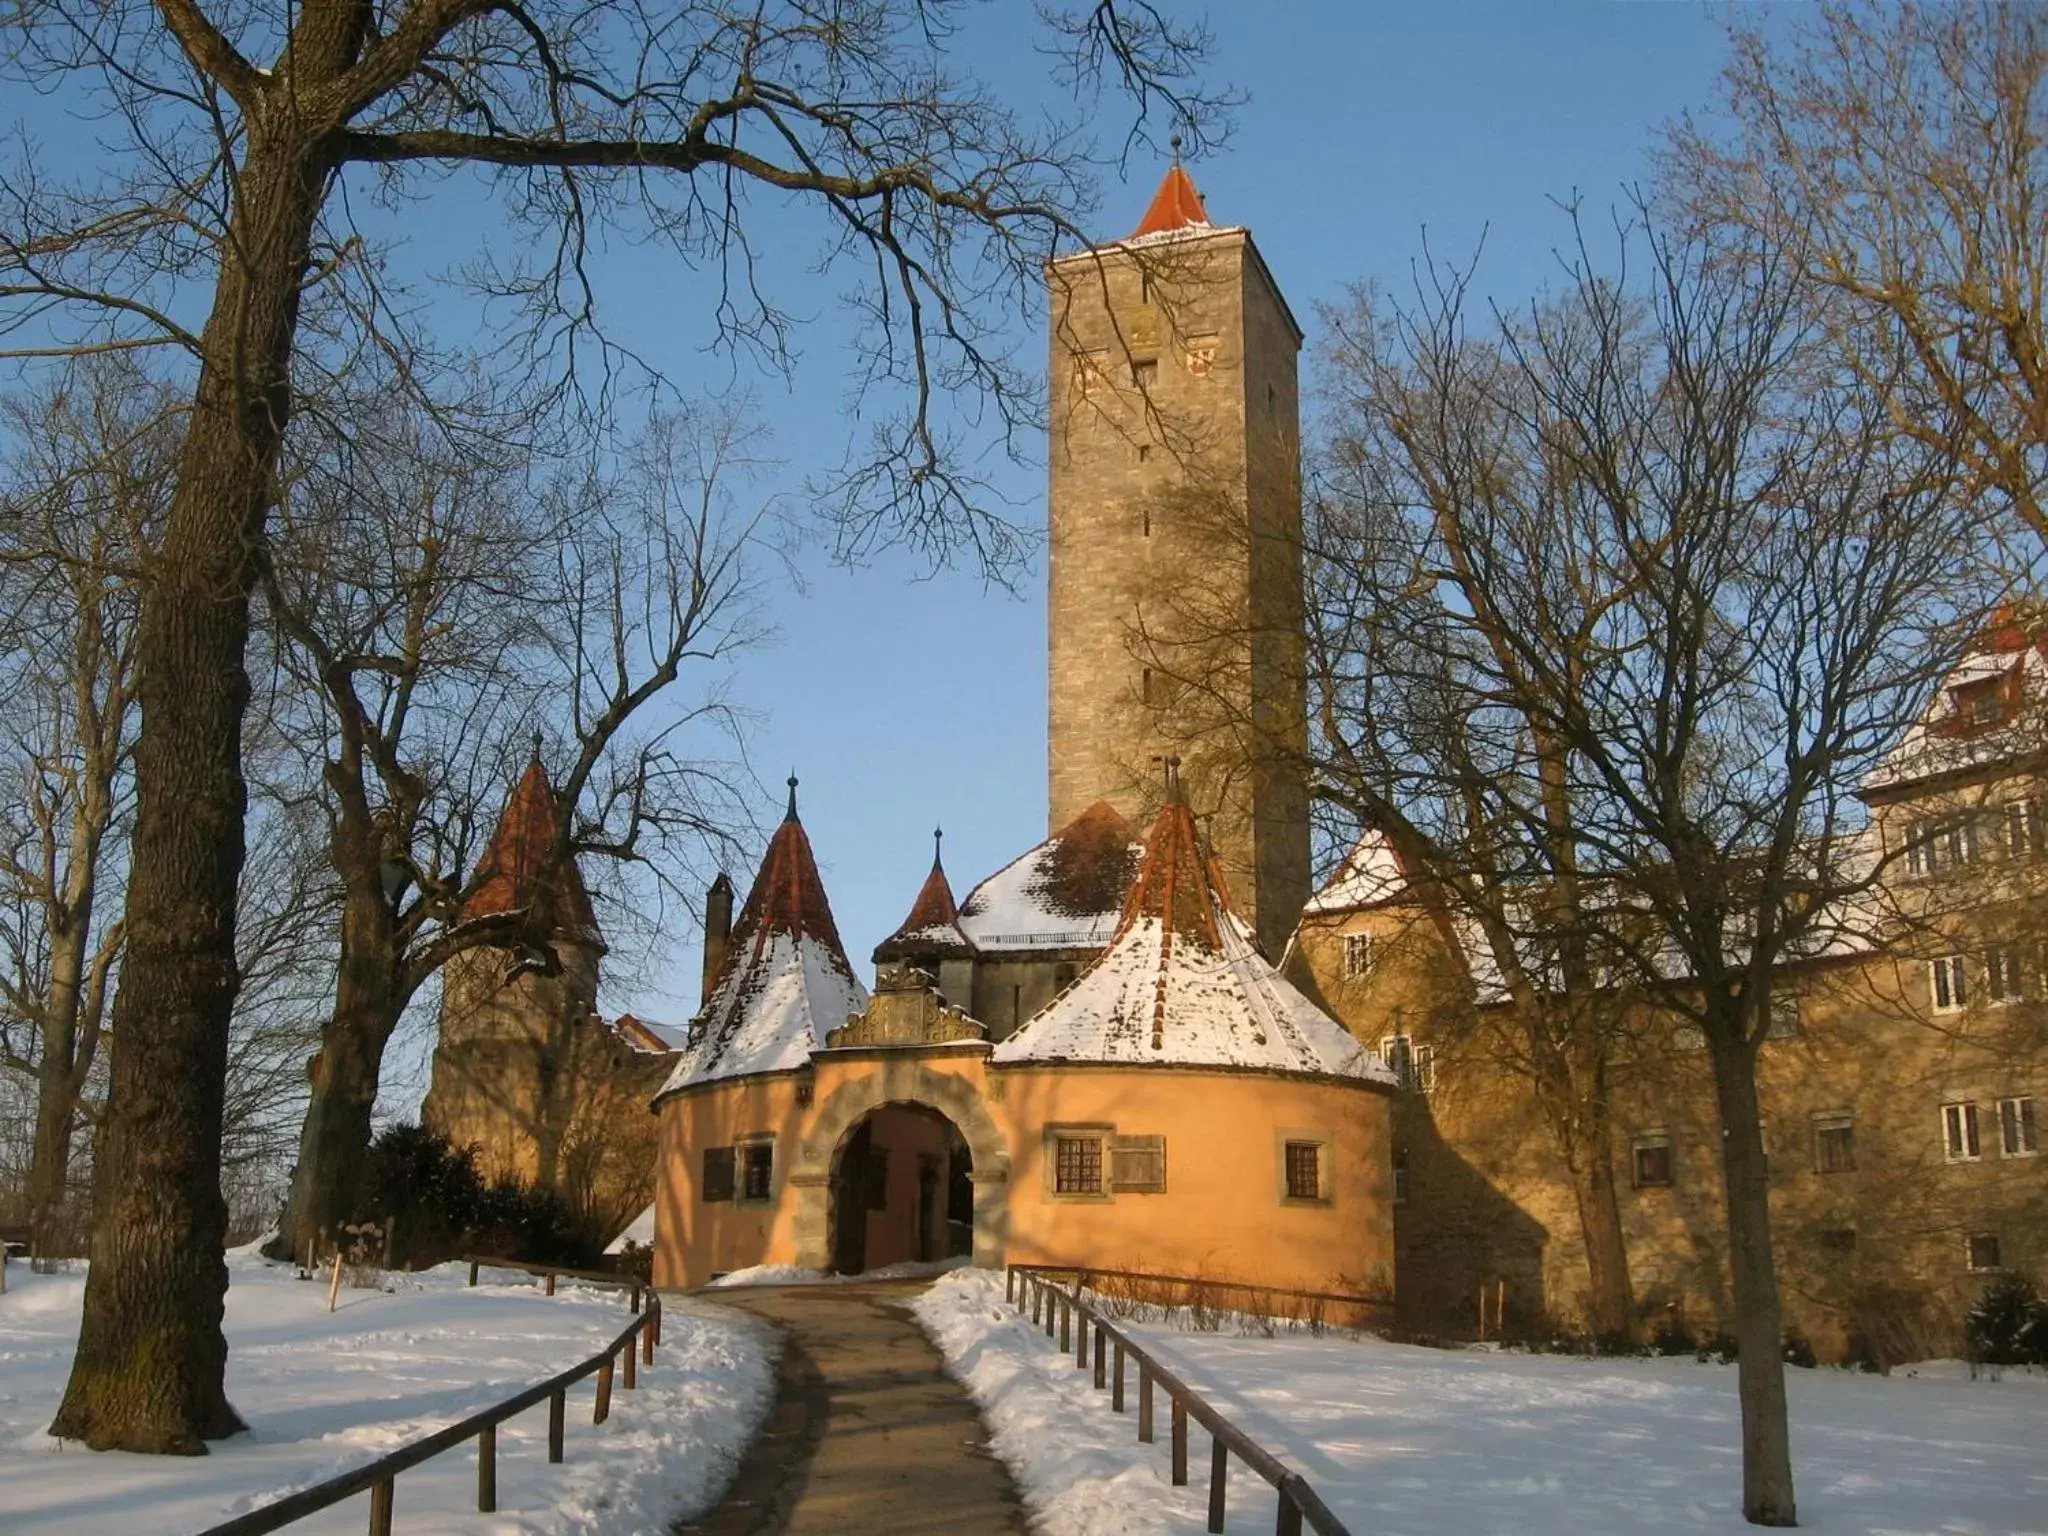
{"points": [[900, 1079]]}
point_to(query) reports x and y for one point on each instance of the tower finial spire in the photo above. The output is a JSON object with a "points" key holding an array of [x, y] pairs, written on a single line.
{"points": [[1173, 793], [1173, 143], [536, 744], [791, 814], [938, 838]]}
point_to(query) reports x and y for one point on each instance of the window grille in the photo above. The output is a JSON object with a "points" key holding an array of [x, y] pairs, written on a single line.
{"points": [[1077, 1166], [1304, 1170], [1357, 956], [757, 1170], [1959, 1132]]}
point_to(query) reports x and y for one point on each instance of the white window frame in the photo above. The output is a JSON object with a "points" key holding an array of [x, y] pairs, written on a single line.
{"points": [[1649, 1141], [1358, 956], [1948, 983], [1961, 1136], [2004, 978], [744, 1150], [2019, 1130], [1413, 1066], [1834, 1120], [2022, 827]]}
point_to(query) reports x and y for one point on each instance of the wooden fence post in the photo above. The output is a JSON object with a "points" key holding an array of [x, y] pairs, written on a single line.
{"points": [[557, 1403], [1219, 1477], [1037, 1299], [472, 1272], [657, 1322], [1180, 1443], [1081, 1345], [551, 1282], [632, 1356], [603, 1410], [1289, 1521], [1009, 1285], [647, 1341], [1066, 1325], [334, 1285], [1101, 1369], [487, 1470], [1144, 1404], [1116, 1391], [380, 1507]]}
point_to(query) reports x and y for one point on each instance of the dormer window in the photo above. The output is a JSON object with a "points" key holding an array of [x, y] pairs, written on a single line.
{"points": [[1978, 705]]}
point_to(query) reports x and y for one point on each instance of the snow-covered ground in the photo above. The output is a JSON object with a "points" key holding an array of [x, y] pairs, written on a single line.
{"points": [[1403, 1441], [324, 1393]]}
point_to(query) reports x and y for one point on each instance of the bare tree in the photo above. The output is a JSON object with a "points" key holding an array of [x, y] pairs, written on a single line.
{"points": [[1657, 589], [1894, 155], [84, 494], [436, 611], [235, 174]]}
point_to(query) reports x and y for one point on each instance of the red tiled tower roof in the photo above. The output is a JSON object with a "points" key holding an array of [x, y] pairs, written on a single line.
{"points": [[511, 863], [1177, 883], [1176, 205], [788, 896], [933, 926]]}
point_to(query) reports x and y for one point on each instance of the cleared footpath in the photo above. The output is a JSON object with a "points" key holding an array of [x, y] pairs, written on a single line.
{"points": [[868, 1436]]}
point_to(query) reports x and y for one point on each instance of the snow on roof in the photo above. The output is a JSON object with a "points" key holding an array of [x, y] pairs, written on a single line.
{"points": [[1371, 873], [1183, 985], [933, 926], [786, 979], [643, 1035], [1965, 727], [511, 862], [641, 1232], [1067, 893]]}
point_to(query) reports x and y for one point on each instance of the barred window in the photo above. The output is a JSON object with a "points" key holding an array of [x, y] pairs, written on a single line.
{"points": [[1138, 1165], [1357, 955], [757, 1170], [1077, 1166], [1304, 1170]]}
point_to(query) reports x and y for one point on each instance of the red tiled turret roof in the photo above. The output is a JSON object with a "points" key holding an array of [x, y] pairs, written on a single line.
{"points": [[511, 864], [787, 897], [933, 927], [1176, 205]]}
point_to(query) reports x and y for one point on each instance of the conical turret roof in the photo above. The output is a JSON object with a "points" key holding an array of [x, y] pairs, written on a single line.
{"points": [[932, 929], [510, 869], [1182, 984], [786, 979], [1175, 206]]}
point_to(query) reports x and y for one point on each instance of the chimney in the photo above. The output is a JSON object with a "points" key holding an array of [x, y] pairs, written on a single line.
{"points": [[717, 929]]}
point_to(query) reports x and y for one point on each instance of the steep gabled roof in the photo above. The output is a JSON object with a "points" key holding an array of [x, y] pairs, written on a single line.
{"points": [[1176, 205], [1182, 984], [1066, 893], [511, 864], [1371, 874], [786, 979], [932, 930], [1987, 713]]}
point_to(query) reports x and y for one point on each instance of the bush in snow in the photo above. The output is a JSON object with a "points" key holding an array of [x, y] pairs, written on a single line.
{"points": [[2008, 1324], [1796, 1351], [1889, 1325], [1719, 1345], [1672, 1337], [442, 1206]]}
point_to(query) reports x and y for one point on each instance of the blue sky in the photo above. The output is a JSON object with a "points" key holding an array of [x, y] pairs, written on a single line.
{"points": [[904, 698], [903, 703]]}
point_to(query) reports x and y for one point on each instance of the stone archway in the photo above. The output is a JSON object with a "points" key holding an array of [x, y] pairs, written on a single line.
{"points": [[900, 1079]]}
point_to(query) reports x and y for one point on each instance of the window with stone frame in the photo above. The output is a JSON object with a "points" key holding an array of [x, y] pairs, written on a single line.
{"points": [[2018, 1131], [1650, 1162], [1358, 956], [1959, 1132], [1834, 1143], [1077, 1165], [756, 1170], [1138, 1165], [1304, 1170], [717, 1182], [1983, 1252], [2022, 826], [1145, 373]]}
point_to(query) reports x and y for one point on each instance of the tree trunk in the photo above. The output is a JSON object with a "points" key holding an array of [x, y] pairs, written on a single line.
{"points": [[334, 1143], [57, 1087], [149, 1373], [1610, 1297], [1759, 1322]]}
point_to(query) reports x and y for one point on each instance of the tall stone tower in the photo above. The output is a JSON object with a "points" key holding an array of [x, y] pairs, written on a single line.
{"points": [[1175, 610]]}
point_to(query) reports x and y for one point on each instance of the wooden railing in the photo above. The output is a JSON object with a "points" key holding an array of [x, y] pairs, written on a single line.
{"points": [[635, 1343], [1064, 1313], [548, 1273], [1174, 1291]]}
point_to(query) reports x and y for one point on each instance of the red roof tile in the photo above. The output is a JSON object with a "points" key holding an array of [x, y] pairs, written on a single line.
{"points": [[1176, 205], [1177, 882], [933, 927], [511, 865], [788, 896]]}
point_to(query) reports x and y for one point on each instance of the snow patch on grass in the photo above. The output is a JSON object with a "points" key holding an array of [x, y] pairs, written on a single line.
{"points": [[323, 1393]]}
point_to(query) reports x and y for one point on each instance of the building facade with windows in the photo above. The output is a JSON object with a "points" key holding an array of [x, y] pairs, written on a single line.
{"points": [[1901, 1078]]}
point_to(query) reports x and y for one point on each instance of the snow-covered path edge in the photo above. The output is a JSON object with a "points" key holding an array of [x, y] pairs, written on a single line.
{"points": [[1078, 1463]]}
